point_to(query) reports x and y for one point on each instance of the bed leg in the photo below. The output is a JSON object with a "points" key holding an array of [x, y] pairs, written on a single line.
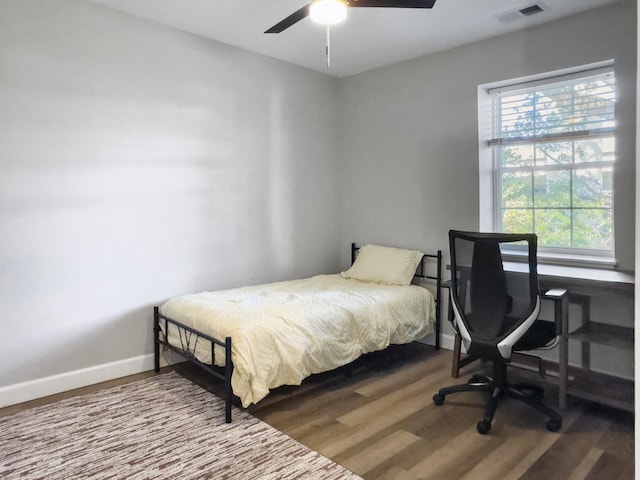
{"points": [[228, 369], [156, 339]]}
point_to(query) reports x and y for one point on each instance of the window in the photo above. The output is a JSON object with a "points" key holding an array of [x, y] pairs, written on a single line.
{"points": [[553, 153]]}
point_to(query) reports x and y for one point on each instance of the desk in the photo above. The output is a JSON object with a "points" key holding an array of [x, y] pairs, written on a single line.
{"points": [[612, 280], [581, 283]]}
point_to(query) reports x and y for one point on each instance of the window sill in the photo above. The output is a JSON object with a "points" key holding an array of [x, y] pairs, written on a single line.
{"points": [[585, 261]]}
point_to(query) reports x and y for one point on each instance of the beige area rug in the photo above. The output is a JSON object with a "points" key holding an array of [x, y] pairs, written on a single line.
{"points": [[163, 427]]}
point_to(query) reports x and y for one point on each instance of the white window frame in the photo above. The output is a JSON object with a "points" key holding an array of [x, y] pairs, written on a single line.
{"points": [[490, 188]]}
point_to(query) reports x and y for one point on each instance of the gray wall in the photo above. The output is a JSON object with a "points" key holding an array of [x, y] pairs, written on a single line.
{"points": [[409, 132], [409, 145], [138, 163]]}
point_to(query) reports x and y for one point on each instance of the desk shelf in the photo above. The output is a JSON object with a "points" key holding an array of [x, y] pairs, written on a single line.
{"points": [[590, 385], [585, 286], [583, 382], [612, 335]]}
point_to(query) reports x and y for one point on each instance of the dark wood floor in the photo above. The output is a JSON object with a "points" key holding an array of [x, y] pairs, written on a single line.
{"points": [[383, 425], [377, 418]]}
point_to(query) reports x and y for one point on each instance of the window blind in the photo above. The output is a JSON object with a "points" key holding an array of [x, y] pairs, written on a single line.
{"points": [[573, 108]]}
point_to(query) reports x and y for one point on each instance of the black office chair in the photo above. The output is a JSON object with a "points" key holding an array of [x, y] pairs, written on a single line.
{"points": [[495, 314]]}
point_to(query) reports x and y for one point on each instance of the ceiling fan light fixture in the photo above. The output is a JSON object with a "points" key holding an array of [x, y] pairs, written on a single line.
{"points": [[328, 12]]}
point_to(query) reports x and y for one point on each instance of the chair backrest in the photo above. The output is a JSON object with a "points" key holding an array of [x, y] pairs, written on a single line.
{"points": [[493, 309]]}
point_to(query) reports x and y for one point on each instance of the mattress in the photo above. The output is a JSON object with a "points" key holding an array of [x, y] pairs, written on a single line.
{"points": [[283, 332]]}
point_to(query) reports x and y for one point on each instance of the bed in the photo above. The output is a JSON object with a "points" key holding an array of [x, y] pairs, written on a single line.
{"points": [[260, 337]]}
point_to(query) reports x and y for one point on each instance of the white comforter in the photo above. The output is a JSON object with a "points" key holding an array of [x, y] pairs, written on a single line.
{"points": [[283, 332]]}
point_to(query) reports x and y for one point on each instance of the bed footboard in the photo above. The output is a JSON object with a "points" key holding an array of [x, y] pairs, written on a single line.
{"points": [[187, 350]]}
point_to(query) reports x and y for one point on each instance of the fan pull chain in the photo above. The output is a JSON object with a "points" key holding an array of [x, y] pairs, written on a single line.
{"points": [[328, 48]]}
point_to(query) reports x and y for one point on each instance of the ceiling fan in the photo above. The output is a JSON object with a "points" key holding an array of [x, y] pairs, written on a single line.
{"points": [[329, 12]]}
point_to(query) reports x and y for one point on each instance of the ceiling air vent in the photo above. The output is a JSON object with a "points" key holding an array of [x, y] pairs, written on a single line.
{"points": [[522, 13], [531, 10]]}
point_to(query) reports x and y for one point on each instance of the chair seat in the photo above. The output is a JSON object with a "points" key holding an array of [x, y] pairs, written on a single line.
{"points": [[541, 334]]}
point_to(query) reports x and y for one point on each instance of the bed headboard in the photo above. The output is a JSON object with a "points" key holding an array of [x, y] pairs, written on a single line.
{"points": [[429, 268]]}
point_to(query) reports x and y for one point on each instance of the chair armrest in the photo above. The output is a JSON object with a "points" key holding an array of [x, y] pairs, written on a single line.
{"points": [[560, 308], [555, 293]]}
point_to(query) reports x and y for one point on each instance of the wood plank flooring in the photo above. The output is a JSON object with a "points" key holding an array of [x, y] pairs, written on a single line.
{"points": [[377, 418]]}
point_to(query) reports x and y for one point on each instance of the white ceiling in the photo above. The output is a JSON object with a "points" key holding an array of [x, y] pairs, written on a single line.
{"points": [[369, 38]]}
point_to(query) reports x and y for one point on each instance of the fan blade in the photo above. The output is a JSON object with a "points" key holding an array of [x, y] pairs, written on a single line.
{"points": [[290, 20], [304, 11], [392, 4]]}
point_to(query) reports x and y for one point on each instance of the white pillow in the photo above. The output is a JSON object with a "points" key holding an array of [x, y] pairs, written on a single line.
{"points": [[386, 265]]}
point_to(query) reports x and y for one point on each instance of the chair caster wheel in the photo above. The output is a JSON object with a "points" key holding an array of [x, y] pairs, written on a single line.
{"points": [[554, 425], [483, 427], [438, 399]]}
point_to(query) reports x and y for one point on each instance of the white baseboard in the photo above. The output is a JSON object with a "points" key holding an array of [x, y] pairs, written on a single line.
{"points": [[43, 387], [446, 340]]}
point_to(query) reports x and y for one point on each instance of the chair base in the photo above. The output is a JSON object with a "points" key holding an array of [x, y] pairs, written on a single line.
{"points": [[498, 387]]}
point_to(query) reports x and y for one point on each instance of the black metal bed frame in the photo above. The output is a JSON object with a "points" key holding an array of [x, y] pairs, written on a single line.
{"points": [[189, 337]]}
